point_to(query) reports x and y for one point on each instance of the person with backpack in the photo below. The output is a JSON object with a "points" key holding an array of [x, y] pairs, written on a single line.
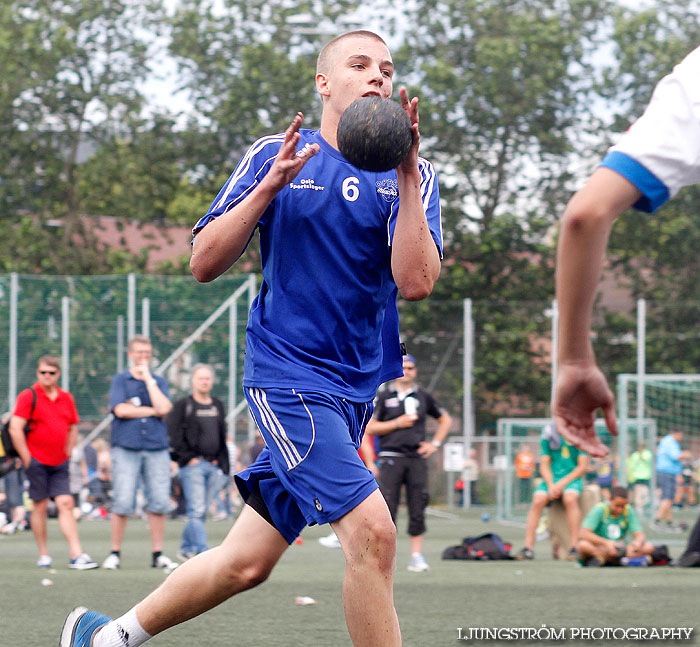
{"points": [[197, 431], [603, 531], [44, 428]]}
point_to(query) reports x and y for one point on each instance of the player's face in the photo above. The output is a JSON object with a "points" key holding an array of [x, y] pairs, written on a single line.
{"points": [[409, 374], [202, 381], [47, 375], [617, 506], [361, 67], [140, 353]]}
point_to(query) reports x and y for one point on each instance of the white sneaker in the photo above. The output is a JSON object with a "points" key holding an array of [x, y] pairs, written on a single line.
{"points": [[9, 529], [165, 563], [418, 563], [112, 562], [330, 541], [44, 561], [83, 563]]}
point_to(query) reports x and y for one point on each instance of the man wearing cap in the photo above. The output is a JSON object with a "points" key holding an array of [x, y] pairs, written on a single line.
{"points": [[399, 419]]}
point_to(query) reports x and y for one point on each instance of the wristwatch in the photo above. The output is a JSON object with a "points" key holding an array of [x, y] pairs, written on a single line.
{"points": [[436, 443], [152, 382]]}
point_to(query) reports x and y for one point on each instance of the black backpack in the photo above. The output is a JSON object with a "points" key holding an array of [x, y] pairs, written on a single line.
{"points": [[8, 453], [660, 555], [484, 548]]}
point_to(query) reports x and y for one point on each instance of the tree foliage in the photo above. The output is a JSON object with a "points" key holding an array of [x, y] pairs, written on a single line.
{"points": [[515, 95]]}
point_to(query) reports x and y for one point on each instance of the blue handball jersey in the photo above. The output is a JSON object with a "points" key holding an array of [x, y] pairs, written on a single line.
{"points": [[325, 318]]}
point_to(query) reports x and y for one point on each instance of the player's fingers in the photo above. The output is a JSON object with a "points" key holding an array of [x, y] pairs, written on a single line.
{"points": [[289, 146], [293, 127], [415, 133], [611, 419], [414, 110], [308, 151]]}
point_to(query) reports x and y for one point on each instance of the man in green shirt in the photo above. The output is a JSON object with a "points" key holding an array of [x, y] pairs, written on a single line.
{"points": [[561, 469], [603, 531]]}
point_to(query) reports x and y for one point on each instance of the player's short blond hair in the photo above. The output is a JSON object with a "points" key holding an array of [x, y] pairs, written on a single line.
{"points": [[199, 367], [326, 55], [138, 339], [49, 360]]}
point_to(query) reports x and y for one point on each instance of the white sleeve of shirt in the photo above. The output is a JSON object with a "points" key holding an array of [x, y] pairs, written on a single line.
{"points": [[665, 140]]}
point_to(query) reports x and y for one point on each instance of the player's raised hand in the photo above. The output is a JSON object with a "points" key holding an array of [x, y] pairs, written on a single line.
{"points": [[411, 108], [289, 161], [579, 392]]}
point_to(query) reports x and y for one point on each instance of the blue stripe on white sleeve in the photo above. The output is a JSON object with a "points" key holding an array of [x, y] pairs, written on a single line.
{"points": [[654, 191]]}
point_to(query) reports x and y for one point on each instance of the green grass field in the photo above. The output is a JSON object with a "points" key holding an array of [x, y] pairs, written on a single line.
{"points": [[431, 606]]}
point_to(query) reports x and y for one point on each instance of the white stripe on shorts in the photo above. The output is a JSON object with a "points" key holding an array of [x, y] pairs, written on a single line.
{"points": [[313, 424], [273, 425]]}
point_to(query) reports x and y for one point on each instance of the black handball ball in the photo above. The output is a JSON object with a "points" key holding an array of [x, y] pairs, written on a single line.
{"points": [[374, 134]]}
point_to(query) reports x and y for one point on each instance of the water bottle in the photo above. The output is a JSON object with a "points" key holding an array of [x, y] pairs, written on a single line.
{"points": [[410, 406]]}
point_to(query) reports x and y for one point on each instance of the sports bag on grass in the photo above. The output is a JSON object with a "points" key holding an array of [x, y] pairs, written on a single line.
{"points": [[484, 548]]}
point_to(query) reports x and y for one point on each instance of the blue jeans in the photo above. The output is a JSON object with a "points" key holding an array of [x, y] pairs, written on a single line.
{"points": [[131, 465], [199, 483]]}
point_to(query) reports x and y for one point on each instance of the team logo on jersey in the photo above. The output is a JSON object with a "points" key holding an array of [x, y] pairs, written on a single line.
{"points": [[388, 189], [318, 505], [306, 183]]}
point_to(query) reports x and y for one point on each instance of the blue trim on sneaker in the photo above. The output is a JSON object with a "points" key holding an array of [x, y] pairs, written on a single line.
{"points": [[80, 626]]}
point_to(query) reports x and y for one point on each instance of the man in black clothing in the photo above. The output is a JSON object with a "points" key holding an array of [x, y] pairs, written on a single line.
{"points": [[197, 430], [399, 420], [691, 555]]}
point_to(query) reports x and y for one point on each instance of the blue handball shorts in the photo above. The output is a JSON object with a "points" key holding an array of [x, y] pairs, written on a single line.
{"points": [[310, 471]]}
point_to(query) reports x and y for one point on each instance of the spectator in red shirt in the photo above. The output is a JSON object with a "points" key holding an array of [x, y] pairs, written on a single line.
{"points": [[524, 471], [45, 452]]}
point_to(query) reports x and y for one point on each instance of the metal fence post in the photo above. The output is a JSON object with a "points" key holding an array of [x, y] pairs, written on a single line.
{"points": [[65, 343], [467, 403], [232, 366], [120, 343], [146, 317], [131, 305], [12, 364]]}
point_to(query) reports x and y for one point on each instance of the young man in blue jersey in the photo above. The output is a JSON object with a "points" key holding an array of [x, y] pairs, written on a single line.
{"points": [[654, 159], [336, 244]]}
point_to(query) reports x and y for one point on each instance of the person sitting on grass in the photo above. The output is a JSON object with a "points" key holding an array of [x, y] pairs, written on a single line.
{"points": [[601, 539]]}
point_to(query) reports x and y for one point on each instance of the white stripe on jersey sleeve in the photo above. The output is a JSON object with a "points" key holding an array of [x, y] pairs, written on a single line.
{"points": [[245, 163]]}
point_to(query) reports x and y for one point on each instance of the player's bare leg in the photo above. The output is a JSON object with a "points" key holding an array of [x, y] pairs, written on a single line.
{"points": [[68, 524], [664, 513], [156, 524], [244, 559], [539, 501], [586, 549], [573, 514], [117, 528], [368, 537], [37, 521]]}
